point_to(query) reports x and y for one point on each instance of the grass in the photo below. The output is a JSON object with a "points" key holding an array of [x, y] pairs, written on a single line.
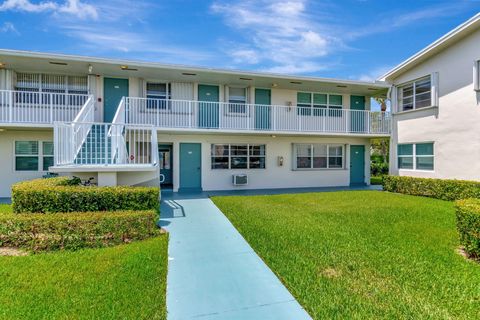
{"points": [[361, 255], [122, 282]]}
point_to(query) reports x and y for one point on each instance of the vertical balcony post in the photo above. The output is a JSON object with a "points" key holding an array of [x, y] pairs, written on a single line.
{"points": [[10, 107], [51, 108], [190, 114]]}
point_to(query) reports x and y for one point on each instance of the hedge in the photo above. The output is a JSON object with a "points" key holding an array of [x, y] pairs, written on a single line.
{"points": [[58, 195], [435, 188], [468, 225], [44, 232]]}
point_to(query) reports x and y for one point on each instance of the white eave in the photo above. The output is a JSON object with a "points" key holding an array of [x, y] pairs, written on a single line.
{"points": [[112, 65], [448, 39]]}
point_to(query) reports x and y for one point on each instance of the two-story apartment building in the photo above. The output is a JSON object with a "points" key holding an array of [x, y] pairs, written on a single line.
{"points": [[126, 122], [435, 99]]}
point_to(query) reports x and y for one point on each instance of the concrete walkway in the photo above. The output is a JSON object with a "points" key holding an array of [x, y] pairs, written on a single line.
{"points": [[213, 273]]}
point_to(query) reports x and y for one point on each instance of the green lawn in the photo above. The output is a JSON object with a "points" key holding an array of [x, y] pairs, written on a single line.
{"points": [[122, 282], [363, 255]]}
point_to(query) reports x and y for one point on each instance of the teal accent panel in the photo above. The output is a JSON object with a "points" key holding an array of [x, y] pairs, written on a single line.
{"points": [[357, 164], [358, 120], [190, 167], [208, 113], [165, 155], [113, 91], [263, 109]]}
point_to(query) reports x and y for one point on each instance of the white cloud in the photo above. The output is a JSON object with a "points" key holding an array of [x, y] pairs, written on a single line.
{"points": [[8, 27], [280, 34], [106, 39], [75, 8], [373, 74]]}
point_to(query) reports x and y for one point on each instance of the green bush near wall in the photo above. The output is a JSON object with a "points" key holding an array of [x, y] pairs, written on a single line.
{"points": [[434, 188], [76, 230], [468, 225], [59, 195]]}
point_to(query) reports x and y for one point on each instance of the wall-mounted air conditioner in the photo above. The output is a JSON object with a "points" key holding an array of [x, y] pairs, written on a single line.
{"points": [[240, 179]]}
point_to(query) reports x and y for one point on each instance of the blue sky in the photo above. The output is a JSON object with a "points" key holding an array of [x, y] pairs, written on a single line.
{"points": [[340, 39]]}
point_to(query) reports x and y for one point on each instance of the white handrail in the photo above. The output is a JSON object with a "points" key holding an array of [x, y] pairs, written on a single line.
{"points": [[39, 107], [187, 114], [142, 142]]}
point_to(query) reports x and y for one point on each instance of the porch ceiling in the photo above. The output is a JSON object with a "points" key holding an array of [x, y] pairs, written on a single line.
{"points": [[41, 62]]}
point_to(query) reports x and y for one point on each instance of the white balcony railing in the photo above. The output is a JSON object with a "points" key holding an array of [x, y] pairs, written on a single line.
{"points": [[184, 114], [105, 144], [39, 107]]}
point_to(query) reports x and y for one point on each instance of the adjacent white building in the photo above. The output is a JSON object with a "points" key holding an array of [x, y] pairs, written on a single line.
{"points": [[138, 123], [435, 99]]}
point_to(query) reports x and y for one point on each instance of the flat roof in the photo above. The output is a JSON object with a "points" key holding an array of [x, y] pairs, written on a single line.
{"points": [[35, 61]]}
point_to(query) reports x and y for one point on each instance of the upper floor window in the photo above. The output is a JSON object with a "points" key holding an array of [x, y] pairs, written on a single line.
{"points": [[157, 95], [237, 100], [52, 83], [319, 104], [416, 94]]}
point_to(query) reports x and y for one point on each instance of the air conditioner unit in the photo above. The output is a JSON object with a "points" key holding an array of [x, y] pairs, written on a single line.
{"points": [[240, 179]]}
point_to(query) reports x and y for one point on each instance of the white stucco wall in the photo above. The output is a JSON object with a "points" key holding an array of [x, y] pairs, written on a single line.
{"points": [[8, 175], [453, 126], [274, 176]]}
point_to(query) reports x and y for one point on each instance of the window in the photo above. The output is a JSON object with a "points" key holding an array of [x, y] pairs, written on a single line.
{"points": [[47, 147], [417, 156], [32, 155], [476, 75], [318, 156], [318, 104], [157, 95], [237, 100], [238, 156], [416, 94], [50, 83], [54, 83], [26, 155]]}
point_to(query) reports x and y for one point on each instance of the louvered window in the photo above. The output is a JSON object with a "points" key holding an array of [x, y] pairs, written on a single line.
{"points": [[53, 83]]}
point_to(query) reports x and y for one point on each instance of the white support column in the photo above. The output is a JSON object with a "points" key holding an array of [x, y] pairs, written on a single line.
{"points": [[107, 179]]}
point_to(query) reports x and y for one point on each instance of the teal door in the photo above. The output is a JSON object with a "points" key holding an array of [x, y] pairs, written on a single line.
{"points": [[357, 165], [262, 109], [113, 91], [165, 157], [190, 167], [208, 106], [358, 118]]}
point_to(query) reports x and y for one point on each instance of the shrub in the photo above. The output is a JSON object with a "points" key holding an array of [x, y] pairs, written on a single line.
{"points": [[378, 169], [435, 188], [468, 225], [58, 195], [38, 232]]}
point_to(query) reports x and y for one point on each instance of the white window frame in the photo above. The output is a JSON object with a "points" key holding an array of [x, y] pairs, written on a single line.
{"points": [[230, 103], [401, 97], [42, 87], [312, 152], [41, 154], [476, 75], [229, 156], [328, 106], [414, 155], [154, 101]]}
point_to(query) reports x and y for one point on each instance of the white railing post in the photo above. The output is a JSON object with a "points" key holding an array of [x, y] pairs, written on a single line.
{"points": [[51, 107], [10, 109]]}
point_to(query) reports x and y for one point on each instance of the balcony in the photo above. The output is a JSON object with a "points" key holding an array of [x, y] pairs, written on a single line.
{"points": [[235, 117], [27, 107]]}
